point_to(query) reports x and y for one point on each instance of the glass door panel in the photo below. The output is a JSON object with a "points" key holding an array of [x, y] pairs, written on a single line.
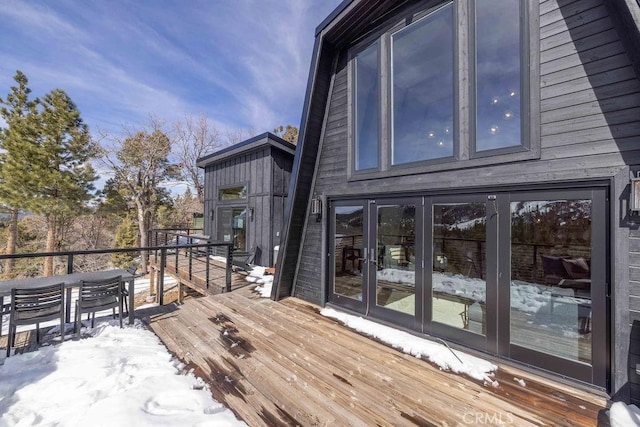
{"points": [[347, 251], [459, 286], [232, 227], [395, 287], [550, 292]]}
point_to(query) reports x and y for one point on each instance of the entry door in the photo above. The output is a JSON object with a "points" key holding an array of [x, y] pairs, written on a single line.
{"points": [[348, 242], [376, 253], [460, 282], [395, 260]]}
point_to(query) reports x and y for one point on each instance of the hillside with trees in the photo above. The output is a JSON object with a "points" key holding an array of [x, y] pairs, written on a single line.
{"points": [[52, 168]]}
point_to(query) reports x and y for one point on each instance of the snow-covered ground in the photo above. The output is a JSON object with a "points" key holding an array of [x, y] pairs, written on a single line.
{"points": [[111, 377], [256, 275]]}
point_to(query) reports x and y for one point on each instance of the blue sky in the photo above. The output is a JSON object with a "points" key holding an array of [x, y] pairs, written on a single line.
{"points": [[242, 63]]}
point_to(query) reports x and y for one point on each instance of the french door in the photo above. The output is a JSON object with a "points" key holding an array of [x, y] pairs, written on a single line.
{"points": [[376, 245], [521, 275]]}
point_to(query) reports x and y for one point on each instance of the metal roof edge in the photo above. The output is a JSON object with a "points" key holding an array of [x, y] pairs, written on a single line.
{"points": [[249, 144]]}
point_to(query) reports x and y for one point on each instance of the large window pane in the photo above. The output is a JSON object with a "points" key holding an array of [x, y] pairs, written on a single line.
{"points": [[551, 277], [422, 85], [347, 250], [367, 103], [459, 265], [497, 74], [396, 257]]}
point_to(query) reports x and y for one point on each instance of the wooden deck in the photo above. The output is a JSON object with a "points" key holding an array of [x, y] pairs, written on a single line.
{"points": [[282, 363]]}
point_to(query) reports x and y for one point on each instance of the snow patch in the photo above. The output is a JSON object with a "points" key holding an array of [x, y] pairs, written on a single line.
{"points": [[441, 355], [265, 281], [111, 376], [622, 415]]}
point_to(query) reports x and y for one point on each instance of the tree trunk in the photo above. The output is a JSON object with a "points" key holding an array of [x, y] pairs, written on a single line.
{"points": [[144, 235], [51, 244], [11, 243]]}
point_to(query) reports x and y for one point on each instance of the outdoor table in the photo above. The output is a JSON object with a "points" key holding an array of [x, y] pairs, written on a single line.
{"points": [[70, 281]]}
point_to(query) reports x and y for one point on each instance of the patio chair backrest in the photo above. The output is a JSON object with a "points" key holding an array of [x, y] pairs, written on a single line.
{"points": [[29, 306], [97, 295]]}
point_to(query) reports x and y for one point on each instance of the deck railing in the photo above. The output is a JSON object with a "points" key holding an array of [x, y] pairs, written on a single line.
{"points": [[161, 252], [184, 246]]}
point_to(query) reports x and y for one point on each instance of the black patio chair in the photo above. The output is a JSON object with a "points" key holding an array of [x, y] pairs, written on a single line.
{"points": [[98, 295], [34, 306]]}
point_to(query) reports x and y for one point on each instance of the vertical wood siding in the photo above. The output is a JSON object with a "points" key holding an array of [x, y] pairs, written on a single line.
{"points": [[261, 170]]}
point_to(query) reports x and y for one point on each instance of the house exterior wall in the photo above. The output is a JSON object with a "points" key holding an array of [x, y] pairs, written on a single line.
{"points": [[589, 129], [261, 170]]}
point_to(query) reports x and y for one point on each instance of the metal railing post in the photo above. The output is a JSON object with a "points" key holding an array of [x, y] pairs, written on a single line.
{"points": [[163, 261], [70, 264], [229, 267], [191, 261], [207, 265], [177, 250]]}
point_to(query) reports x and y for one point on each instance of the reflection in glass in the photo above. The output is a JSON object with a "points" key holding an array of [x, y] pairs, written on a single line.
{"points": [[347, 250], [366, 108], [497, 74], [233, 193], [459, 265], [551, 277], [395, 277], [232, 227], [422, 85]]}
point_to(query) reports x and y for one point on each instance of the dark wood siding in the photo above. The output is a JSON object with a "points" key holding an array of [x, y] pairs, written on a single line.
{"points": [[266, 170], [589, 128]]}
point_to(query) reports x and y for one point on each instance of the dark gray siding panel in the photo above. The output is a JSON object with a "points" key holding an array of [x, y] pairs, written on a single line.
{"points": [[589, 126], [266, 171], [331, 164], [303, 169]]}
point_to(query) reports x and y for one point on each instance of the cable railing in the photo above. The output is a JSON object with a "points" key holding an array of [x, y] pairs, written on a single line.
{"points": [[67, 261]]}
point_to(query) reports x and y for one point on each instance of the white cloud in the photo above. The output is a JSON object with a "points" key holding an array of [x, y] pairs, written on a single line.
{"points": [[243, 63]]}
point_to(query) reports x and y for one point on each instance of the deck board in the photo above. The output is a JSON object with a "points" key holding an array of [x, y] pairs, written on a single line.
{"points": [[282, 363]]}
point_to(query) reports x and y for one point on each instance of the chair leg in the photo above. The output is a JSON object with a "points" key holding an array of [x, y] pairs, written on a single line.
{"points": [[38, 333], [62, 326], [78, 320], [93, 320], [120, 312], [10, 339]]}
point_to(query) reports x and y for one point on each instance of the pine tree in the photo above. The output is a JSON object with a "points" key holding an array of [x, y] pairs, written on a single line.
{"points": [[288, 133], [126, 237], [20, 115], [53, 177]]}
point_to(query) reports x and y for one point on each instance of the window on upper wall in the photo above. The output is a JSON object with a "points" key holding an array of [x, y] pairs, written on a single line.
{"points": [[445, 86], [367, 96], [232, 193], [497, 75], [422, 89]]}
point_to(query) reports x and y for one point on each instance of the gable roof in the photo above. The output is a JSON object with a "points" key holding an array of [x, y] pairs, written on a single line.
{"points": [[254, 143], [349, 22]]}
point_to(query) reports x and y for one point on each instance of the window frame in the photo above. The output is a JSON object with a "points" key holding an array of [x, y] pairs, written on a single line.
{"points": [[353, 54], [464, 152], [229, 186]]}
